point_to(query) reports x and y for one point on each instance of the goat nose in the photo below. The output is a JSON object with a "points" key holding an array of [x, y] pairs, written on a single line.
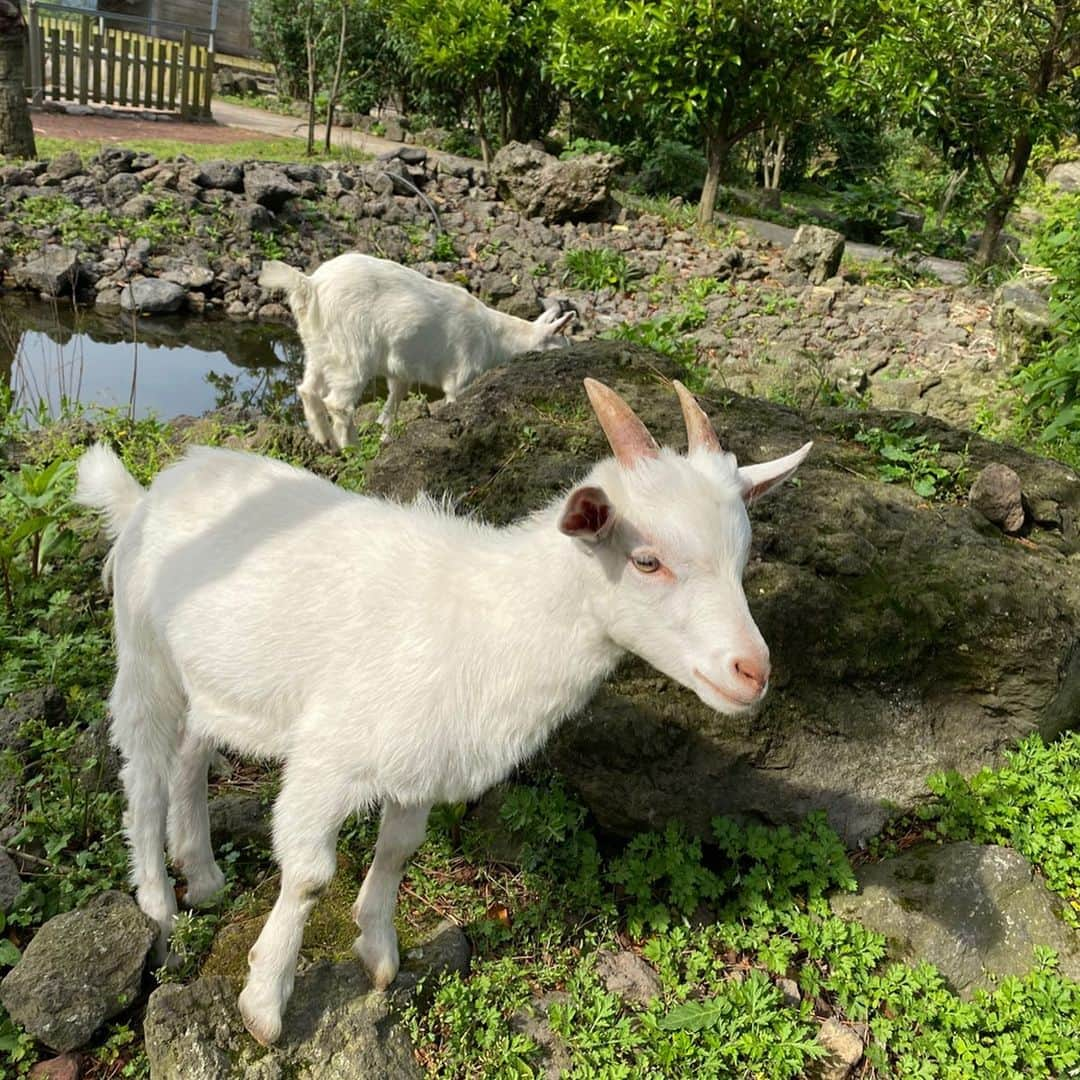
{"points": [[752, 674]]}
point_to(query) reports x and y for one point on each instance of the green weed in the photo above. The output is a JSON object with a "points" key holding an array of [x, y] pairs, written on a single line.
{"points": [[600, 268]]}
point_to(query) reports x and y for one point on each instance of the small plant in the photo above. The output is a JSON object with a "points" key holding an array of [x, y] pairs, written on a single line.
{"points": [[579, 147], [910, 459], [600, 268], [269, 246], [35, 530], [443, 249]]}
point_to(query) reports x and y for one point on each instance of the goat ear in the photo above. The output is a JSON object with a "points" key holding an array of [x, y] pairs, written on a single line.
{"points": [[588, 515], [560, 323], [549, 314], [758, 480]]}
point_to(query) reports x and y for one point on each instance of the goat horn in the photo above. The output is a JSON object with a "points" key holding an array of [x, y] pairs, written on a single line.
{"points": [[699, 430], [628, 436]]}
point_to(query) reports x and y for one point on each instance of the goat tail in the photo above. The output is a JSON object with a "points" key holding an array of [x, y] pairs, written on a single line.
{"points": [[106, 486], [296, 285]]}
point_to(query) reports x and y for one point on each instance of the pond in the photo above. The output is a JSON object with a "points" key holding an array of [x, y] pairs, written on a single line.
{"points": [[53, 355]]}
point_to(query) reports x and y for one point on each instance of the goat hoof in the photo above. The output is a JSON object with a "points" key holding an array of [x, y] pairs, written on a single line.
{"points": [[204, 887], [379, 955], [262, 1024]]}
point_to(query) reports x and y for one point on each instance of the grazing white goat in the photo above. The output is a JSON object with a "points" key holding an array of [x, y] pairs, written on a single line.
{"points": [[415, 659], [360, 317]]}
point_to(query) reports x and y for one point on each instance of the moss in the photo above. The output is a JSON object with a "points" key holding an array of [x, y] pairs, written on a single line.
{"points": [[328, 935]]}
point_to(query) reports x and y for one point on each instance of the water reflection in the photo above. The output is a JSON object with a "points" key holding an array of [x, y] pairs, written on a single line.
{"points": [[52, 354]]}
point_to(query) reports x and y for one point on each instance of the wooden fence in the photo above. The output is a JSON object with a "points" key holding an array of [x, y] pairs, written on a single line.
{"points": [[78, 57]]}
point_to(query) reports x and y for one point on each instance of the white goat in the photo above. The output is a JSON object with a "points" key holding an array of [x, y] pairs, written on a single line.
{"points": [[360, 317], [414, 658]]}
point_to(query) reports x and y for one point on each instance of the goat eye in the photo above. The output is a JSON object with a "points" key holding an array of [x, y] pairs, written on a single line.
{"points": [[646, 563]]}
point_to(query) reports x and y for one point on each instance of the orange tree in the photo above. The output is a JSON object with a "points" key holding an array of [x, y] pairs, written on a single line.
{"points": [[725, 68]]}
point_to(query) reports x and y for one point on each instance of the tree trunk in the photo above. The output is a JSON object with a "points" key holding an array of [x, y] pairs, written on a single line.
{"points": [[16, 132], [1000, 207], [716, 152], [335, 89], [481, 127]]}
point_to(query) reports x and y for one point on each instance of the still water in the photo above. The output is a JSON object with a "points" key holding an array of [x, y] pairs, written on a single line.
{"points": [[52, 354]]}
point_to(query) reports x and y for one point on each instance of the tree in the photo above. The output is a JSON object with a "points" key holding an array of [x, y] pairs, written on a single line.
{"points": [[985, 79], [16, 131], [727, 66], [456, 43]]}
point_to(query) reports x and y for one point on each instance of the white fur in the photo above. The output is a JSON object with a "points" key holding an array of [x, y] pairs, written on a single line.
{"points": [[361, 317], [387, 654]]}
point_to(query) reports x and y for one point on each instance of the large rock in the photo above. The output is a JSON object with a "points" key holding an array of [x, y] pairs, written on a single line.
{"points": [[81, 968], [905, 638], [540, 185], [335, 1028], [269, 186], [220, 175], [1065, 176], [816, 252], [152, 296], [1021, 320], [976, 912], [55, 272]]}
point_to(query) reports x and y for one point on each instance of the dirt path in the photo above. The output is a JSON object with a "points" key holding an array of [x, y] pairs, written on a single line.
{"points": [[292, 127], [116, 130]]}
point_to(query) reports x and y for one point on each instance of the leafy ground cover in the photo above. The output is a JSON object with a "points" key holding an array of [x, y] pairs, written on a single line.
{"points": [[736, 924]]}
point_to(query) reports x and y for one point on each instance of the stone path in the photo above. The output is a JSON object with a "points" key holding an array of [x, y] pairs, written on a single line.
{"points": [[947, 270]]}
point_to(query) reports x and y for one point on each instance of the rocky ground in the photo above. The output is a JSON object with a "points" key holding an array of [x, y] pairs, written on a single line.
{"points": [[125, 231]]}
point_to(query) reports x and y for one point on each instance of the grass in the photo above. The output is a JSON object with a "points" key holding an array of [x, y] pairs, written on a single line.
{"points": [[264, 149]]}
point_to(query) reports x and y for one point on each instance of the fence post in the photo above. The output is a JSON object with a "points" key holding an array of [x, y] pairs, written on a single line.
{"points": [[84, 59], [185, 75], [208, 86], [37, 67]]}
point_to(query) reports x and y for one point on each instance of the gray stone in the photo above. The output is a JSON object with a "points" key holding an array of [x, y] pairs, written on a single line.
{"points": [[269, 186], [1022, 321], [10, 882], [139, 207], [254, 218], [192, 273], [444, 951], [996, 494], [55, 272], [1065, 176], [816, 252], [220, 176], [335, 1028], [904, 639], [80, 969], [152, 296], [113, 160], [412, 155], [540, 185], [555, 1059], [16, 176], [239, 816], [844, 1052], [304, 173], [121, 187], [64, 166], [976, 912], [628, 975]]}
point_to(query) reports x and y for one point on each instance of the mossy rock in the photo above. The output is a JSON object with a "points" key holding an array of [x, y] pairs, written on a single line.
{"points": [[907, 636], [977, 912]]}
